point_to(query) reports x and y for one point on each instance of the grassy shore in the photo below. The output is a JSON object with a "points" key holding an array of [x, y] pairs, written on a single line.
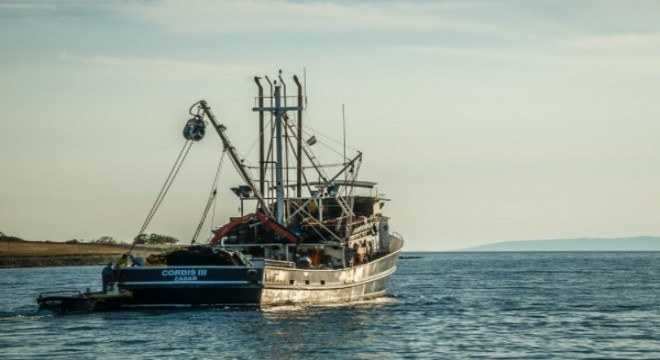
{"points": [[23, 253]]}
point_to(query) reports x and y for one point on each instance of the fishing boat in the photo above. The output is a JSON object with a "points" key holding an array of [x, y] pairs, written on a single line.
{"points": [[306, 233]]}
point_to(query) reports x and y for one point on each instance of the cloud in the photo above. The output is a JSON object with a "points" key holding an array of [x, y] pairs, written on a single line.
{"points": [[620, 42], [627, 54], [25, 6], [157, 64], [630, 52], [251, 16]]}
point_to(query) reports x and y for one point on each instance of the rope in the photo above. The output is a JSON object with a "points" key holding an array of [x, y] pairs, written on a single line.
{"points": [[166, 186], [206, 211], [212, 196]]}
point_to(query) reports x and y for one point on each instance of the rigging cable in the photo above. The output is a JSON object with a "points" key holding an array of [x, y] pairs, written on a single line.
{"points": [[166, 186], [212, 197]]}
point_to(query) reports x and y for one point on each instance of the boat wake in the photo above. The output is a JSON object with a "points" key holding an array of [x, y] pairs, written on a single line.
{"points": [[24, 316], [385, 300]]}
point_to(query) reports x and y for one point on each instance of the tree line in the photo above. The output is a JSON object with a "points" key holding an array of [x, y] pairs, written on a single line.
{"points": [[142, 239]]}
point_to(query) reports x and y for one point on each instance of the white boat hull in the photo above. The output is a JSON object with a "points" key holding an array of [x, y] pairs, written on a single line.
{"points": [[302, 287]]}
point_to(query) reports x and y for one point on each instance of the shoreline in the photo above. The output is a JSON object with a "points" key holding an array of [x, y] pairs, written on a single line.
{"points": [[11, 262], [28, 254]]}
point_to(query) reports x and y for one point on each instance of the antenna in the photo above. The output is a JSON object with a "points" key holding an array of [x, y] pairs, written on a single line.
{"points": [[343, 117]]}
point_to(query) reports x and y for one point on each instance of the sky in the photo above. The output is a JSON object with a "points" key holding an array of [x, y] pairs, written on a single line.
{"points": [[482, 121]]}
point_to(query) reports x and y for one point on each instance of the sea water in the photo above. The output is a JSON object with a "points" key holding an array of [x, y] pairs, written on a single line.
{"points": [[439, 306]]}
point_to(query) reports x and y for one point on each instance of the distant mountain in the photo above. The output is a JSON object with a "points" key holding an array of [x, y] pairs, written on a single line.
{"points": [[640, 243]]}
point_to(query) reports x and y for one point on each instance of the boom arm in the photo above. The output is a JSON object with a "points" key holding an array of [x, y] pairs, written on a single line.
{"points": [[234, 157]]}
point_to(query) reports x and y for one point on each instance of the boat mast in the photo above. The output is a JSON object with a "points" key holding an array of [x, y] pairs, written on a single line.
{"points": [[279, 111], [262, 162], [299, 147], [284, 137]]}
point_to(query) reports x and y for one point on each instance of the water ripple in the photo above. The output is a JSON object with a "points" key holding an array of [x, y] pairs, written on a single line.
{"points": [[486, 306]]}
